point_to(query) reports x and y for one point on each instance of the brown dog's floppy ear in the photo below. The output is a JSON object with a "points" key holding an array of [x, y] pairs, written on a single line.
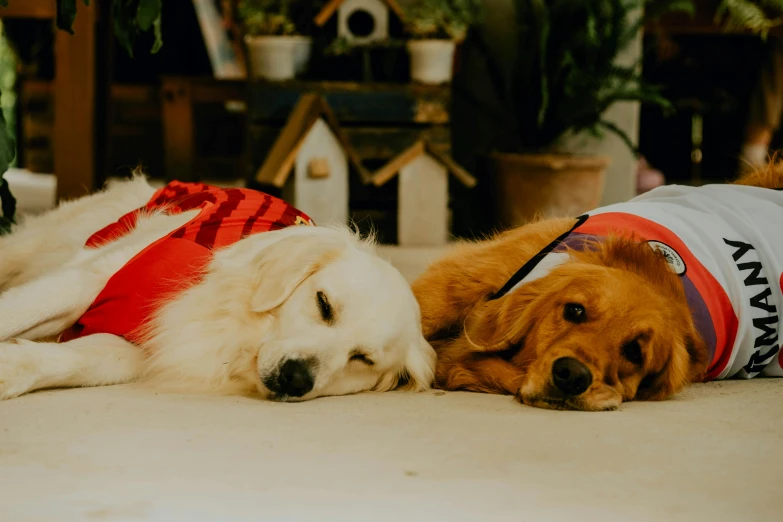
{"points": [[687, 364], [284, 265], [698, 357]]}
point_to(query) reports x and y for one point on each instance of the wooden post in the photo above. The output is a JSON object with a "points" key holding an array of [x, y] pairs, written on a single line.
{"points": [[74, 106], [178, 129], [104, 74]]}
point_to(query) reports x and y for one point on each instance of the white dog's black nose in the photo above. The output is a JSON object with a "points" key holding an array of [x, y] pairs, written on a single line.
{"points": [[294, 378], [571, 376]]}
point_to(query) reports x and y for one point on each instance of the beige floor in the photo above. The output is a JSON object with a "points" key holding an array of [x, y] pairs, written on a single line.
{"points": [[124, 453], [127, 454]]}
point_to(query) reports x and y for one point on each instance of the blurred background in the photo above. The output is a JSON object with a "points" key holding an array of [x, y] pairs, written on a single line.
{"points": [[489, 112]]}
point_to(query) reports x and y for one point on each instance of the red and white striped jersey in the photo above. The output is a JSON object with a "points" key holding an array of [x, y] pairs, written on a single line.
{"points": [[177, 261]]}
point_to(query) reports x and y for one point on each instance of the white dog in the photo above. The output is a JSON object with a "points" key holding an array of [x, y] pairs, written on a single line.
{"points": [[289, 314]]}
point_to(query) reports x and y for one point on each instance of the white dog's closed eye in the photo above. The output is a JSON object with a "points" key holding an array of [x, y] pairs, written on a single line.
{"points": [[325, 308], [281, 268]]}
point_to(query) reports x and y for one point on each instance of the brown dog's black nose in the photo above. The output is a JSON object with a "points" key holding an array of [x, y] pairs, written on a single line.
{"points": [[295, 379], [571, 376]]}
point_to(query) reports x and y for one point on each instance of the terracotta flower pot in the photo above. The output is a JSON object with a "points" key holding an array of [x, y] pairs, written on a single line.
{"points": [[546, 185]]}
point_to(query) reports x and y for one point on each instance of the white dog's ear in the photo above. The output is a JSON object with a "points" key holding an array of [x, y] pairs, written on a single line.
{"points": [[419, 370], [284, 265]]}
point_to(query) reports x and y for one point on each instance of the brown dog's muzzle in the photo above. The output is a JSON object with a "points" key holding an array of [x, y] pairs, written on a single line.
{"points": [[567, 383], [571, 377]]}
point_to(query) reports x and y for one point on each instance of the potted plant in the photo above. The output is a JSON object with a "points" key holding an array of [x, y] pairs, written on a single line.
{"points": [[275, 51], [436, 27], [563, 78]]}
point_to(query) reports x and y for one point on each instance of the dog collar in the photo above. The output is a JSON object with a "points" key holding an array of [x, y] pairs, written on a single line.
{"points": [[548, 258]]}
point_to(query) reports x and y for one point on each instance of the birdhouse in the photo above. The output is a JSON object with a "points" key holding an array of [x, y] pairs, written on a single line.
{"points": [[360, 21], [423, 193], [312, 147]]}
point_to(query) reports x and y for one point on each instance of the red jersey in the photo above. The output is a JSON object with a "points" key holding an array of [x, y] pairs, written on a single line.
{"points": [[177, 261]]}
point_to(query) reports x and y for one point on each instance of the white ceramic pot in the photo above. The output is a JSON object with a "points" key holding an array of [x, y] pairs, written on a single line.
{"points": [[272, 57], [431, 60], [302, 51]]}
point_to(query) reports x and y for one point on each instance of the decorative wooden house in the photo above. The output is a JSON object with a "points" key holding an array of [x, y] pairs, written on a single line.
{"points": [[315, 150], [423, 193], [361, 21]]}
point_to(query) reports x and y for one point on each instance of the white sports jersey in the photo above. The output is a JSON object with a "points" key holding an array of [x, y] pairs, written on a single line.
{"points": [[726, 244]]}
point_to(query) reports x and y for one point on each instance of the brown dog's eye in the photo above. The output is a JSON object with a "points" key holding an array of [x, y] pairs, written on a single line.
{"points": [[574, 313], [361, 357], [327, 314], [632, 351]]}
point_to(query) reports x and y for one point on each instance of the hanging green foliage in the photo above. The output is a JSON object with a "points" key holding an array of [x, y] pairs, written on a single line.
{"points": [[131, 18], [756, 16], [134, 17]]}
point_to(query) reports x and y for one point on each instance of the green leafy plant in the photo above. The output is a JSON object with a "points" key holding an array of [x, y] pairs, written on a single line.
{"points": [[266, 17], [7, 153], [8, 66], [566, 73], [340, 46], [443, 19], [131, 18], [134, 17], [758, 17]]}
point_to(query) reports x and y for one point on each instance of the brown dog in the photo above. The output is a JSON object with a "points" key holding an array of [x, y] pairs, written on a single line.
{"points": [[611, 319]]}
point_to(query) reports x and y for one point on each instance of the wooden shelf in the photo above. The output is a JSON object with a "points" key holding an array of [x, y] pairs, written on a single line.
{"points": [[354, 103]]}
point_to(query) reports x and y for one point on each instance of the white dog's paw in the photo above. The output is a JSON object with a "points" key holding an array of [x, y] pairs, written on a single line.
{"points": [[18, 374]]}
